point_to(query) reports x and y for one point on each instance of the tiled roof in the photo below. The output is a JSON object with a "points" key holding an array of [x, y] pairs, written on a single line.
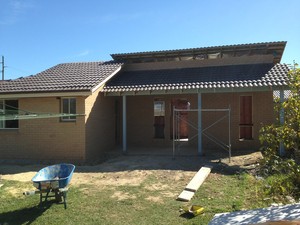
{"points": [[232, 76], [63, 77]]}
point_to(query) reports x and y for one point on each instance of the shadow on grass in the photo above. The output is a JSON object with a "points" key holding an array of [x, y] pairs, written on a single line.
{"points": [[187, 215], [25, 215]]}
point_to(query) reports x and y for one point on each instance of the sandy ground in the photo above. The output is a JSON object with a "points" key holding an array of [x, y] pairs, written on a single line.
{"points": [[132, 170]]}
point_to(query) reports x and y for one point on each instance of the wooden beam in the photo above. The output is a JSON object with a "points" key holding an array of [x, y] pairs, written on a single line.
{"points": [[189, 191], [198, 179]]}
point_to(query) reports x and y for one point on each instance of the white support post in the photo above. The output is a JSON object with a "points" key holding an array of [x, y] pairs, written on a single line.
{"points": [[124, 119], [199, 124], [281, 147]]}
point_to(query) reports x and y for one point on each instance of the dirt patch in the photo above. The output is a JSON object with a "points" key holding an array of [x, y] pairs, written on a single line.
{"points": [[132, 178], [132, 170], [155, 199], [120, 195], [23, 177], [246, 160]]}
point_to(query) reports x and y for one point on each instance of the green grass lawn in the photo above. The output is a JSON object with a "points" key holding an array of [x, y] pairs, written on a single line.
{"points": [[140, 204]]}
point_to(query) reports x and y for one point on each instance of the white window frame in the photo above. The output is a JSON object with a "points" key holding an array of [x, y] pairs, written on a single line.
{"points": [[68, 118], [2, 111]]}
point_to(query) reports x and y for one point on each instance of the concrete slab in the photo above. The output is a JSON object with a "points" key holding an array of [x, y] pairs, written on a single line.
{"points": [[275, 213], [198, 179], [185, 196], [189, 191]]}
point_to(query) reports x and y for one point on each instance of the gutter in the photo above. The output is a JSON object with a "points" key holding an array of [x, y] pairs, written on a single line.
{"points": [[44, 94]]}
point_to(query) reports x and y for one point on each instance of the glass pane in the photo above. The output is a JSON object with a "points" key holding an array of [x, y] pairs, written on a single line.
{"points": [[65, 106], [159, 108], [11, 107], [11, 123], [1, 113], [73, 105], [1, 107]]}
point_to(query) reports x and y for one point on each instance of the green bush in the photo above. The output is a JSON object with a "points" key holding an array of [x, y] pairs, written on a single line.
{"points": [[282, 173]]}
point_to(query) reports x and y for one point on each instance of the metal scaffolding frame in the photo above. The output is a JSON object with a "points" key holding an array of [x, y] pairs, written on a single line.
{"points": [[176, 128]]}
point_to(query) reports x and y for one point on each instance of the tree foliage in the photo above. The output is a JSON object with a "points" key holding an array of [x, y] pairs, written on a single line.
{"points": [[283, 172], [287, 133]]}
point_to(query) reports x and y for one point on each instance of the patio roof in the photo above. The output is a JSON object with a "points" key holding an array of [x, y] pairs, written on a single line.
{"points": [[252, 77]]}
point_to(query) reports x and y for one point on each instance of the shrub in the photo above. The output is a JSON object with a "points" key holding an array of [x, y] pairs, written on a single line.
{"points": [[282, 172]]}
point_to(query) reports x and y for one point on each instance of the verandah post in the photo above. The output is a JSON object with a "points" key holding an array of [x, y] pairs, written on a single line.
{"points": [[199, 124], [124, 142]]}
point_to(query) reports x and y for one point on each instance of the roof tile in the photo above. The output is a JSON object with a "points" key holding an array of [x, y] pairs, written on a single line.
{"points": [[63, 77], [234, 76]]}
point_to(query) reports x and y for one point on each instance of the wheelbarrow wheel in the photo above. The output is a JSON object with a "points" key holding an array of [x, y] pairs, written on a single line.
{"points": [[58, 197], [61, 196]]}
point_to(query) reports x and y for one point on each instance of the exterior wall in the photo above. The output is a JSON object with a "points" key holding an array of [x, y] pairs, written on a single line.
{"points": [[100, 125], [45, 139], [262, 113], [140, 119]]}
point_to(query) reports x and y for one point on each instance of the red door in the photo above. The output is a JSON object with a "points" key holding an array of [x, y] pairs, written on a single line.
{"points": [[246, 117]]}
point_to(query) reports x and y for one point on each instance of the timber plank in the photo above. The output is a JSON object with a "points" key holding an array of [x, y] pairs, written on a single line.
{"points": [[189, 191], [186, 196], [198, 179]]}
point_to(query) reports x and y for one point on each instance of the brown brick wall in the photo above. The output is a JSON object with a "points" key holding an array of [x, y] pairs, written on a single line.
{"points": [[140, 119], [100, 125], [45, 139], [90, 136]]}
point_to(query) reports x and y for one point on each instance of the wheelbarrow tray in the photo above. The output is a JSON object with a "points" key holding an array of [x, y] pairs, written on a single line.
{"points": [[54, 176]]}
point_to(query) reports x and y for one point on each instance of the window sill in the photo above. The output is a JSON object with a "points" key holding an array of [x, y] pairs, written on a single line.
{"points": [[67, 121], [244, 139], [9, 130]]}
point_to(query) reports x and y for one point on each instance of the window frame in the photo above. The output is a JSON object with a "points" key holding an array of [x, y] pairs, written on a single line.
{"points": [[159, 113], [3, 124], [69, 109]]}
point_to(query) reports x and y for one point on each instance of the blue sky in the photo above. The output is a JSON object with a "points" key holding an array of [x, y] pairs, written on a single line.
{"points": [[36, 35]]}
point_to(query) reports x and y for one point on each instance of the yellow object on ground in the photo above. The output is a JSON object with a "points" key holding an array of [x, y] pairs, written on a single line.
{"points": [[194, 209]]}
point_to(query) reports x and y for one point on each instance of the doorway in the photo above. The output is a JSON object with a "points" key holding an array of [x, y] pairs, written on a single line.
{"points": [[183, 131]]}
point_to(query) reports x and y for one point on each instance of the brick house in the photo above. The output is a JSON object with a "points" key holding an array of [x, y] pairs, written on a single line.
{"points": [[130, 102]]}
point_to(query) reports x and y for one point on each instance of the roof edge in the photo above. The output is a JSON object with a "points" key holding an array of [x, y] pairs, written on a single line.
{"points": [[274, 48], [106, 79], [223, 47], [43, 94]]}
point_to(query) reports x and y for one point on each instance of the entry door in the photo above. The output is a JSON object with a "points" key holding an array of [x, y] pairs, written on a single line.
{"points": [[183, 117]]}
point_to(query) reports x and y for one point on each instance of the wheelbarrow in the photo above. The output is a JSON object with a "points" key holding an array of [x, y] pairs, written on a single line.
{"points": [[52, 181]]}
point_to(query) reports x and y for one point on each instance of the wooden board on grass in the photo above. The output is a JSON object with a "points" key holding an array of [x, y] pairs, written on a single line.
{"points": [[198, 179], [189, 191], [185, 196]]}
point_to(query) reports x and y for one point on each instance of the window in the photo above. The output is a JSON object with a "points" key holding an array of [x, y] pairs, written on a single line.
{"points": [[159, 108], [9, 107], [159, 119], [246, 118], [68, 106]]}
